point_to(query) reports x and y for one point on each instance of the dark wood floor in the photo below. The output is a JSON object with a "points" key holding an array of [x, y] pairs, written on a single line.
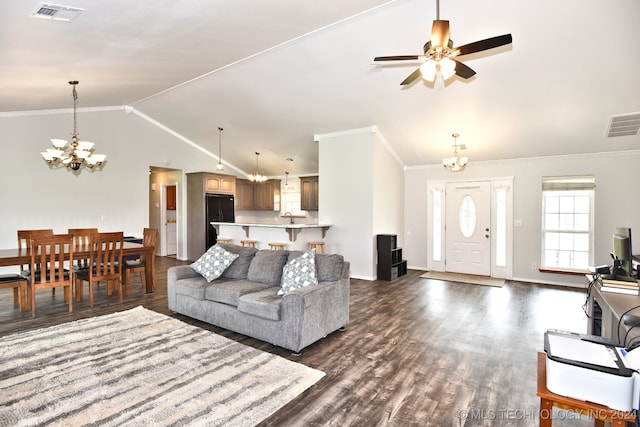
{"points": [[417, 352]]}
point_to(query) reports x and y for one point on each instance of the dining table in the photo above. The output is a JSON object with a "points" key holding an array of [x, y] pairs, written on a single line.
{"points": [[16, 257]]}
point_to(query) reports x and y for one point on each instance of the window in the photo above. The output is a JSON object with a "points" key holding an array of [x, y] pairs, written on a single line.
{"points": [[291, 203], [567, 222]]}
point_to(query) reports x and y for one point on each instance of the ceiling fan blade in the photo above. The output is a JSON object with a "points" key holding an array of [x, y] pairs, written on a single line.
{"points": [[463, 71], [440, 33], [396, 58], [411, 77], [485, 44]]}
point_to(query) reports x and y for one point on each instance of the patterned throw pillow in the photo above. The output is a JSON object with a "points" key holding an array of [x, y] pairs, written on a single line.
{"points": [[299, 273], [214, 262]]}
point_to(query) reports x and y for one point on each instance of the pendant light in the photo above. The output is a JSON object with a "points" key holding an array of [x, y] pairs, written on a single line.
{"points": [[220, 166]]}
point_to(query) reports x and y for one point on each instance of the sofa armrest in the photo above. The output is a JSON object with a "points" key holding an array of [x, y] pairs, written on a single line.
{"points": [[315, 311], [180, 272]]}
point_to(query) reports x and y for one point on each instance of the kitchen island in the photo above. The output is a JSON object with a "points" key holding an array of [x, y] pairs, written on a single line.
{"points": [[267, 233]]}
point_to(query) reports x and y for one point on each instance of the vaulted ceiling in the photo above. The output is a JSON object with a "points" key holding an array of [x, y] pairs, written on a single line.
{"points": [[274, 74]]}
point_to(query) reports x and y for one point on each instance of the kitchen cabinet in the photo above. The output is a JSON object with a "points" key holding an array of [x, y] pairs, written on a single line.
{"points": [[309, 193], [258, 196], [171, 198], [220, 184]]}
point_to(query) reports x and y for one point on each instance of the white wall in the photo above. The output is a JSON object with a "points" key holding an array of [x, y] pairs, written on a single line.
{"points": [[615, 205], [361, 194], [115, 198]]}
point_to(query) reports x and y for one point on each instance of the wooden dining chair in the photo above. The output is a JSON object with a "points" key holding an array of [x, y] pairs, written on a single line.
{"points": [[24, 242], [49, 256], [81, 240], [150, 237], [105, 253]]}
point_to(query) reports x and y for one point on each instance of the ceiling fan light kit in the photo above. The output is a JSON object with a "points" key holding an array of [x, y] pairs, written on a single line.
{"points": [[438, 60]]}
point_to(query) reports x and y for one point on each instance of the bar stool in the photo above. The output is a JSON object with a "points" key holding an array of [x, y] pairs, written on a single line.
{"points": [[249, 243], [318, 246], [223, 240], [277, 246]]}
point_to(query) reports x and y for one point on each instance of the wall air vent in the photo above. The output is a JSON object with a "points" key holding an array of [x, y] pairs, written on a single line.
{"points": [[56, 12], [624, 125]]}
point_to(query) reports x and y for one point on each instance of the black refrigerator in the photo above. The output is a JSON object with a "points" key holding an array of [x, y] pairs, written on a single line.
{"points": [[219, 208]]}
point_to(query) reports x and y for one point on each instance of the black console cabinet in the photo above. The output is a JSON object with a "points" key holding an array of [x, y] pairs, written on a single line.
{"points": [[390, 262]]}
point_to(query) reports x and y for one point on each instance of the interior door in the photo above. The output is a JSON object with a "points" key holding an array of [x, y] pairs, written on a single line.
{"points": [[468, 219]]}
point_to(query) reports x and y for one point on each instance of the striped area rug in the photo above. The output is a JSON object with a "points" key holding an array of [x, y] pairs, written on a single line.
{"points": [[139, 367]]}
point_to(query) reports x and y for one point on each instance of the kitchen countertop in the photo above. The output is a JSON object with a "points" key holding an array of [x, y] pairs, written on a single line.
{"points": [[292, 229]]}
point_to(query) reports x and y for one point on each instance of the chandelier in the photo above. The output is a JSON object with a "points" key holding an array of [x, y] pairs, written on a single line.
{"points": [[75, 154], [455, 163], [257, 176], [220, 166]]}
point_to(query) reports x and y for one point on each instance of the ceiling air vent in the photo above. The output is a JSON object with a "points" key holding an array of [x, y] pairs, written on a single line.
{"points": [[56, 12], [624, 125]]}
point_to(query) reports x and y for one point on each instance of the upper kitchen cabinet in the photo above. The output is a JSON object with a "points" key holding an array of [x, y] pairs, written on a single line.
{"points": [[171, 198], [219, 184], [309, 193], [258, 196]]}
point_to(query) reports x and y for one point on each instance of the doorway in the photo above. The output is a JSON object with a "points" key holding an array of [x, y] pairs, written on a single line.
{"points": [[165, 209], [169, 236], [470, 227]]}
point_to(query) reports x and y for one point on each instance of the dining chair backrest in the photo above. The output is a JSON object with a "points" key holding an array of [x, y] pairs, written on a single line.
{"points": [[106, 255], [24, 241], [81, 236], [81, 241], [150, 237], [49, 255], [24, 236]]}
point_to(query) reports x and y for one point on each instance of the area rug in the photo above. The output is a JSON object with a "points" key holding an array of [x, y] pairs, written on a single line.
{"points": [[464, 278], [139, 367]]}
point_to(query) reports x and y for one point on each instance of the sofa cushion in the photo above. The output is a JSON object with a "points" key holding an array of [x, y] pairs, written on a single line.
{"points": [[214, 262], [192, 286], [230, 291], [240, 267], [328, 266], [266, 266], [264, 303], [299, 272]]}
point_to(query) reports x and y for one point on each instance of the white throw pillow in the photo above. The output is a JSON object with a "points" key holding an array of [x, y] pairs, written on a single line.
{"points": [[214, 262], [299, 273]]}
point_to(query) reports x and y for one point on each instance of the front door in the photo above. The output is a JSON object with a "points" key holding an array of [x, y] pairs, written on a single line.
{"points": [[467, 232]]}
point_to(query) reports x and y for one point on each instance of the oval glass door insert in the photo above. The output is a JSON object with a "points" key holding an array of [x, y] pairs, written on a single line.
{"points": [[467, 216]]}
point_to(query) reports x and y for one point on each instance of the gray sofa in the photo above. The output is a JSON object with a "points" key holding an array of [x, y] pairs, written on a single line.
{"points": [[244, 299]]}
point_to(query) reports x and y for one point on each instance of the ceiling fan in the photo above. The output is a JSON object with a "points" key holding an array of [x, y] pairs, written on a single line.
{"points": [[439, 54]]}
